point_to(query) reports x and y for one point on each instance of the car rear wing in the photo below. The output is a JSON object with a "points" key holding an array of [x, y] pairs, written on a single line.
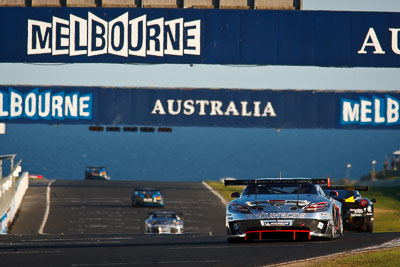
{"points": [[272, 181], [167, 212], [346, 187], [147, 189], [320, 181]]}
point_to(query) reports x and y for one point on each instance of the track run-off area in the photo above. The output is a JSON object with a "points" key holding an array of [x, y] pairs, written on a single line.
{"points": [[92, 223]]}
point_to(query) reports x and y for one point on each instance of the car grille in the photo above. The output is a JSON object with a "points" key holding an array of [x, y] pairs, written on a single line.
{"points": [[277, 234]]}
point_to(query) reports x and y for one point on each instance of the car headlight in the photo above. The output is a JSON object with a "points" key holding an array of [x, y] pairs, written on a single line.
{"points": [[150, 223]]}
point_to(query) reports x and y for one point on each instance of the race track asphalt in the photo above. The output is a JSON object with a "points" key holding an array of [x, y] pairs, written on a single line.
{"points": [[104, 207]]}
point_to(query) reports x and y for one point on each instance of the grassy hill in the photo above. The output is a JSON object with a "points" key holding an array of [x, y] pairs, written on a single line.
{"points": [[387, 208]]}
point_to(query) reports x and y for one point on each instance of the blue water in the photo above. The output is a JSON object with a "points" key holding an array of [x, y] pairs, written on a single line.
{"points": [[194, 154]]}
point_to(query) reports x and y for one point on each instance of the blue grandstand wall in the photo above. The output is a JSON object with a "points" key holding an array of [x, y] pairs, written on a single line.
{"points": [[200, 36], [200, 107]]}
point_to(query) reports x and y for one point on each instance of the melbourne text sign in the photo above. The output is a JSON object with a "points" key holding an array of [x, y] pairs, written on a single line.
{"points": [[195, 36], [200, 107]]}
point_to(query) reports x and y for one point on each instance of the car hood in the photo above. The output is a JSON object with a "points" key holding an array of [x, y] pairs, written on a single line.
{"points": [[160, 221], [276, 203]]}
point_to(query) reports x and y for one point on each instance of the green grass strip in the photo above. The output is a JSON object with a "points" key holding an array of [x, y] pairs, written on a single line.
{"points": [[381, 258]]}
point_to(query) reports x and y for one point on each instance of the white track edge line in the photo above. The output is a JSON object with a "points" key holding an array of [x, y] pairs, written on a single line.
{"points": [[223, 201], [47, 211]]}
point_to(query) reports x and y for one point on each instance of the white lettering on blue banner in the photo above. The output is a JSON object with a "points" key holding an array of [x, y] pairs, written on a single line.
{"points": [[190, 107], [45, 105], [372, 41], [375, 111], [120, 37]]}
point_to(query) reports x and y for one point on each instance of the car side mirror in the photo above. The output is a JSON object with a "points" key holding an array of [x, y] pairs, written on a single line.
{"points": [[333, 193], [373, 200], [235, 195]]}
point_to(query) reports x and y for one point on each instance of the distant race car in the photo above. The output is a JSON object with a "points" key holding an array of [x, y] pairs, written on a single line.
{"points": [[147, 196], [271, 208], [96, 173], [162, 222], [358, 211]]}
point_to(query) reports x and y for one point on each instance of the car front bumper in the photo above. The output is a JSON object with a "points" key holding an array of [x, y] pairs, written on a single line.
{"points": [[293, 225], [160, 229], [149, 204]]}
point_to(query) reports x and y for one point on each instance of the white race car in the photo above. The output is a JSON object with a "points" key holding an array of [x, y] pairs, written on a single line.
{"points": [[164, 222], [282, 207]]}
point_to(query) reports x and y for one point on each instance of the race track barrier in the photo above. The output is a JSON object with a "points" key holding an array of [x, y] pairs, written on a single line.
{"points": [[12, 191]]}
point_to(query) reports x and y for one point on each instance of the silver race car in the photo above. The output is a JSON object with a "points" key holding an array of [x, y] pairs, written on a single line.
{"points": [[164, 222], [293, 208]]}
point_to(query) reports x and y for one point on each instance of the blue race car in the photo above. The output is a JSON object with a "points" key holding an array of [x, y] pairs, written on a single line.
{"points": [[147, 196], [96, 173]]}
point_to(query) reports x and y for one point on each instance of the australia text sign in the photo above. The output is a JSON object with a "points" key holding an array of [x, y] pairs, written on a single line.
{"points": [[200, 107], [186, 36]]}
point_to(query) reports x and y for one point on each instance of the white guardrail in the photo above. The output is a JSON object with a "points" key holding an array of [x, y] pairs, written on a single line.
{"points": [[12, 191]]}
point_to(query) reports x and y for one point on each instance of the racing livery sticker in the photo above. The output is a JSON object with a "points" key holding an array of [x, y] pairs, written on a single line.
{"points": [[276, 215]]}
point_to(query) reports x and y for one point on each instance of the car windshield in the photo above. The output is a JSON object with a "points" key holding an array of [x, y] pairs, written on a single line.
{"points": [[164, 216], [148, 192], [96, 169], [287, 188]]}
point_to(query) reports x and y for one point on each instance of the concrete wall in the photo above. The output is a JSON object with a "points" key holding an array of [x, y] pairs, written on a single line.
{"points": [[11, 197], [119, 3], [278, 4], [21, 186], [161, 3], [12, 3], [200, 3], [232, 4], [7, 193], [81, 3], [47, 3]]}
